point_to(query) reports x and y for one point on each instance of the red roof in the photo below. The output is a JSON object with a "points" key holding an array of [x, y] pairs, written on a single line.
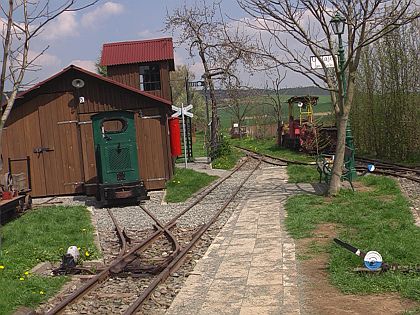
{"points": [[138, 51], [97, 76]]}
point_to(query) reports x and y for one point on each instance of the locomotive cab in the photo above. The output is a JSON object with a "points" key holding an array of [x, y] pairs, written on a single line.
{"points": [[300, 118], [116, 158]]}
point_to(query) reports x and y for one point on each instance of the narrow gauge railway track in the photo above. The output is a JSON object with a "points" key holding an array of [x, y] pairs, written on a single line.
{"points": [[272, 159], [164, 268], [383, 168], [387, 165], [389, 169], [413, 176]]}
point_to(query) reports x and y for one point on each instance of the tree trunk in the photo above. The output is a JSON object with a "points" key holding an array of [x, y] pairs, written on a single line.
{"points": [[279, 132], [214, 119], [335, 183], [3, 119]]}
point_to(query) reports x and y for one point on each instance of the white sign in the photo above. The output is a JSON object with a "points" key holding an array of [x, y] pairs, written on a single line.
{"points": [[328, 60], [182, 110]]}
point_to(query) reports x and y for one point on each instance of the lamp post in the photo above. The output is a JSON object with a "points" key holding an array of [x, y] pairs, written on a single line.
{"points": [[207, 119], [337, 24]]}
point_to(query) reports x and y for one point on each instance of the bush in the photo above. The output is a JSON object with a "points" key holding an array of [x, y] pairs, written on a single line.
{"points": [[223, 148]]}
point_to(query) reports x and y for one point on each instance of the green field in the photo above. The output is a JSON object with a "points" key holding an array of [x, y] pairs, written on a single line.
{"points": [[377, 218], [264, 113], [43, 234]]}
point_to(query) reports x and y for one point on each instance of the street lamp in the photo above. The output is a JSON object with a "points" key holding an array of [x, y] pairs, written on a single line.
{"points": [[337, 24]]}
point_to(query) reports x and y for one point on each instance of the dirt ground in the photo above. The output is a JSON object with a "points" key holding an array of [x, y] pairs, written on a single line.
{"points": [[320, 297]]}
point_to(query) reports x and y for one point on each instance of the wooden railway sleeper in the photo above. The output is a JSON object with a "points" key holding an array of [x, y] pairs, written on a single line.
{"points": [[179, 259], [103, 275]]}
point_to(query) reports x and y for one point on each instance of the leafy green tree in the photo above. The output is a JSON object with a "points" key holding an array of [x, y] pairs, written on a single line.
{"points": [[386, 110], [100, 69]]}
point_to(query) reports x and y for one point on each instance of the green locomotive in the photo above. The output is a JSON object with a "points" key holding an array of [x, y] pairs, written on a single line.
{"points": [[117, 164]]}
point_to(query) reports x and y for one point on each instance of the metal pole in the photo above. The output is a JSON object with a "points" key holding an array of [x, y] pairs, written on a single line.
{"points": [[188, 120], [207, 123], [349, 136], [183, 131], [341, 64]]}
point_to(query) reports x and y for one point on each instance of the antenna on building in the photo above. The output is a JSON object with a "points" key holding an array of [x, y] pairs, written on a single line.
{"points": [[78, 83]]}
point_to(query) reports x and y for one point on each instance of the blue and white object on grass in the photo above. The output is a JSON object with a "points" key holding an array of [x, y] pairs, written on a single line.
{"points": [[371, 167], [373, 260]]}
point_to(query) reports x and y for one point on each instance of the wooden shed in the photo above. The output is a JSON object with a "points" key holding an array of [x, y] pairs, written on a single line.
{"points": [[49, 133], [144, 65]]}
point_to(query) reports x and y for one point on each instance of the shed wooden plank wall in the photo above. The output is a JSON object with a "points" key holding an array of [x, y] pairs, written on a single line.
{"points": [[34, 131], [53, 119], [151, 131], [20, 136], [129, 74]]}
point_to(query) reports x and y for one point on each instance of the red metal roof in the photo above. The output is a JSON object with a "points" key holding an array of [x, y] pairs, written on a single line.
{"points": [[137, 51], [95, 75]]}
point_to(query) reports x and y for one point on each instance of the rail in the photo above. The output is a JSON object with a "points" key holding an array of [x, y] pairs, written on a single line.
{"points": [[126, 257]]}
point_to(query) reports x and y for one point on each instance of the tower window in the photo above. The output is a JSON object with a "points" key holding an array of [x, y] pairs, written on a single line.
{"points": [[150, 77]]}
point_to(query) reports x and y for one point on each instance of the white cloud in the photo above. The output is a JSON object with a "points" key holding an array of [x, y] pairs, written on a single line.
{"points": [[178, 58], [148, 34], [197, 69], [46, 60], [43, 67], [85, 64], [64, 26], [101, 13]]}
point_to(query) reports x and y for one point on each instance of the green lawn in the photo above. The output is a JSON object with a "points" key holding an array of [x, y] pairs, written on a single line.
{"points": [[199, 148], [376, 218], [269, 146], [259, 105], [296, 173], [228, 161], [43, 234], [185, 183], [302, 173]]}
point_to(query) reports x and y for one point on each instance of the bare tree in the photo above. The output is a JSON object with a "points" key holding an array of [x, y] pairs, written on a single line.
{"points": [[179, 78], [202, 28], [276, 98], [24, 21], [292, 30], [237, 105]]}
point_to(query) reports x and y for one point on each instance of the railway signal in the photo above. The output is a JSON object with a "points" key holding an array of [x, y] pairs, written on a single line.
{"points": [[183, 111]]}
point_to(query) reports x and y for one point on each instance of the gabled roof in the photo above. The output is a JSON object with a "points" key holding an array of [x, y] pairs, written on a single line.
{"points": [[138, 51], [304, 99], [97, 76]]}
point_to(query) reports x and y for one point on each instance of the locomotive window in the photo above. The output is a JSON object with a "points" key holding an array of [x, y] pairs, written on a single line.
{"points": [[115, 125]]}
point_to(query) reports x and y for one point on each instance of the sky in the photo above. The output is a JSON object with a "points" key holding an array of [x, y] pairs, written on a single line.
{"points": [[77, 37]]}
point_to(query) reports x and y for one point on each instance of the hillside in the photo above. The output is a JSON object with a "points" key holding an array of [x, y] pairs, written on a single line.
{"points": [[306, 90]]}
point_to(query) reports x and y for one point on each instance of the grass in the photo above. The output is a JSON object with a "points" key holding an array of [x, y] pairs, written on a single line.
{"points": [[228, 161], [376, 219], [43, 234], [296, 173], [199, 148], [269, 146], [185, 183], [302, 173]]}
